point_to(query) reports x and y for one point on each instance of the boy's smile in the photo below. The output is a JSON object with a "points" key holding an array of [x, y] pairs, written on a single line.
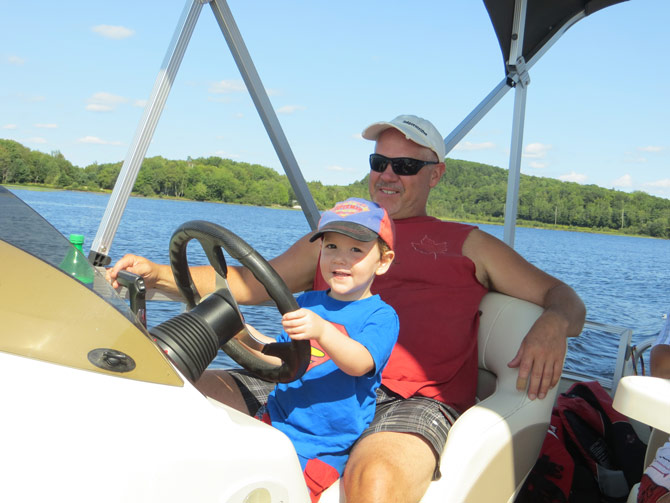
{"points": [[349, 265]]}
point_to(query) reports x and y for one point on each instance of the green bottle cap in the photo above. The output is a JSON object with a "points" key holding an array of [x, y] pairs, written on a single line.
{"points": [[77, 239]]}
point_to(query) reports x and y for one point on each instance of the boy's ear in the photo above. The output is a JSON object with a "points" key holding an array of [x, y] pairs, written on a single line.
{"points": [[385, 262]]}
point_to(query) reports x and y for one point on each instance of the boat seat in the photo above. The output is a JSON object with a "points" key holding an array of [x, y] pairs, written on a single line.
{"points": [[492, 446], [644, 398]]}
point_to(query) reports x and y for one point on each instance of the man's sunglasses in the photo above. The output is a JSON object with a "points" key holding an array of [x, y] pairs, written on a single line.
{"points": [[401, 166]]}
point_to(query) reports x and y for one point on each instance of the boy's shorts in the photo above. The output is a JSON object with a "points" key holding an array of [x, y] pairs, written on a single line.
{"points": [[426, 417], [319, 473]]}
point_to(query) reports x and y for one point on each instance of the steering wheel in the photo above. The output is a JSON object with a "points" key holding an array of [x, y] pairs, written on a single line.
{"points": [[193, 338]]}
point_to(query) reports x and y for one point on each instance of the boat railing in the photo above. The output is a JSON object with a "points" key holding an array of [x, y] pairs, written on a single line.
{"points": [[625, 363]]}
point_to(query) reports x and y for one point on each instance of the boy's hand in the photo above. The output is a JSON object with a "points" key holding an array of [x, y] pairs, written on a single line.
{"points": [[303, 324]]}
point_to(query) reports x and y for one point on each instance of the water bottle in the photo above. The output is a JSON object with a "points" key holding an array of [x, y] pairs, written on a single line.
{"points": [[75, 263]]}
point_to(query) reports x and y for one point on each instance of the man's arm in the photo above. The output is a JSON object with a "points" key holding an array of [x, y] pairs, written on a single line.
{"points": [[540, 357], [296, 266]]}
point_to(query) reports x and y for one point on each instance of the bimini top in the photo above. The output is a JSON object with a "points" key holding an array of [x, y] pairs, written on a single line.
{"points": [[543, 20]]}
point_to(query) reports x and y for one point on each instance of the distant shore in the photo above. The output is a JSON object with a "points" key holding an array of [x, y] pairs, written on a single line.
{"points": [[519, 223]]}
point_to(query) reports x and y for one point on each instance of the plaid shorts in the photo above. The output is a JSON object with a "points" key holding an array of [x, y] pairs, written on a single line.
{"points": [[426, 417], [254, 390], [423, 416]]}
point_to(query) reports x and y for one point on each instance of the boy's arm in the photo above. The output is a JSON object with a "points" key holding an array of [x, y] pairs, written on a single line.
{"points": [[349, 355]]}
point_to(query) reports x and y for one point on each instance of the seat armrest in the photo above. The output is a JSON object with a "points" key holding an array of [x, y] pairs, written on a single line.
{"points": [[644, 398], [492, 446]]}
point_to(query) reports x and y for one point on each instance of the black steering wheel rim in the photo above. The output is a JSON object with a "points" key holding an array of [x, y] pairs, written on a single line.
{"points": [[295, 355]]}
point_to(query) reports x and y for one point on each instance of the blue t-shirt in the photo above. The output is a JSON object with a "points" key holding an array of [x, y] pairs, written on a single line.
{"points": [[325, 411]]}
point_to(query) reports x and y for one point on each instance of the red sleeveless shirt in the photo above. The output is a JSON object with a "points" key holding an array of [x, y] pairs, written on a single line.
{"points": [[436, 294]]}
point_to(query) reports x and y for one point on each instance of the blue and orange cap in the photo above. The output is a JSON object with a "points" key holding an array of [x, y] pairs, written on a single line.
{"points": [[359, 219]]}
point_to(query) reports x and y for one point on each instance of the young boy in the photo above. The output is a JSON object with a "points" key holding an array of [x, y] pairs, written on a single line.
{"points": [[352, 333]]}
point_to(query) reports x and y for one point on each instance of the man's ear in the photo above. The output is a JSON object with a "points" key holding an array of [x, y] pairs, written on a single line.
{"points": [[385, 262], [436, 174]]}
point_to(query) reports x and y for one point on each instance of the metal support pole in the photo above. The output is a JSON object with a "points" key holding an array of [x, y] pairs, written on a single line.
{"points": [[260, 98], [500, 90], [99, 254], [518, 73], [514, 174], [476, 115]]}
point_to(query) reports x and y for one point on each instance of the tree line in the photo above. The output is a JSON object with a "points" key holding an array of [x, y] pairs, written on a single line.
{"points": [[468, 191]]}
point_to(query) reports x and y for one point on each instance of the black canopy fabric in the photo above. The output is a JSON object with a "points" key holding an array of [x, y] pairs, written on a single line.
{"points": [[543, 19]]}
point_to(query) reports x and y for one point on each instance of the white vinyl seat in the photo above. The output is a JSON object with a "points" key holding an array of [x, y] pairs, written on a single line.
{"points": [[492, 446], [645, 399]]}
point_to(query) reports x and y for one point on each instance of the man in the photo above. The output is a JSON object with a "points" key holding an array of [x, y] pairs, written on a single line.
{"points": [[441, 272]]}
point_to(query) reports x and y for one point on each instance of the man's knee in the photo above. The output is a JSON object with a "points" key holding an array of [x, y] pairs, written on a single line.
{"points": [[368, 479], [387, 467]]}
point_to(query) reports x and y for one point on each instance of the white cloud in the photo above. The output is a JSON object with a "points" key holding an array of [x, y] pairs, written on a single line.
{"points": [[36, 139], [46, 126], [98, 108], [651, 148], [226, 155], [623, 181], [113, 32], [289, 109], [227, 87], [140, 103], [96, 141], [469, 146], [15, 60], [664, 184], [31, 99], [635, 160], [537, 165], [9, 126], [536, 150], [573, 177], [339, 169], [104, 102]]}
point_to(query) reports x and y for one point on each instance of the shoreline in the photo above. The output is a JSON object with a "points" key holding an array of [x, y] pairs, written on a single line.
{"points": [[519, 223]]}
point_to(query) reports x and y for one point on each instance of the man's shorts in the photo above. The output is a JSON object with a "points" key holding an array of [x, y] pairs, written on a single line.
{"points": [[426, 417]]}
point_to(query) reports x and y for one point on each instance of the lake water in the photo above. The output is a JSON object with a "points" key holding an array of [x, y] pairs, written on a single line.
{"points": [[624, 281]]}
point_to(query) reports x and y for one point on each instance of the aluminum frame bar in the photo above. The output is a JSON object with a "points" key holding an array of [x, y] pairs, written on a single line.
{"points": [[519, 74], [514, 171], [260, 98], [498, 92], [102, 243], [477, 114]]}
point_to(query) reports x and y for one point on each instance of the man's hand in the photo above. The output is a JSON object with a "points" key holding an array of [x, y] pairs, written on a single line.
{"points": [[137, 265], [541, 356]]}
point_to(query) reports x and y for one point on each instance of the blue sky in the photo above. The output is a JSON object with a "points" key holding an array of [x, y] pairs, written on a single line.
{"points": [[75, 75]]}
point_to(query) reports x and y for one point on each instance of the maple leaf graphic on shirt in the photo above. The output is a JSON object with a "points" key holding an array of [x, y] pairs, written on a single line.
{"points": [[429, 247]]}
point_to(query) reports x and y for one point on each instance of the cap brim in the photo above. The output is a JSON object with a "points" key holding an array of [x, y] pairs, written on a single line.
{"points": [[373, 131], [352, 230]]}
